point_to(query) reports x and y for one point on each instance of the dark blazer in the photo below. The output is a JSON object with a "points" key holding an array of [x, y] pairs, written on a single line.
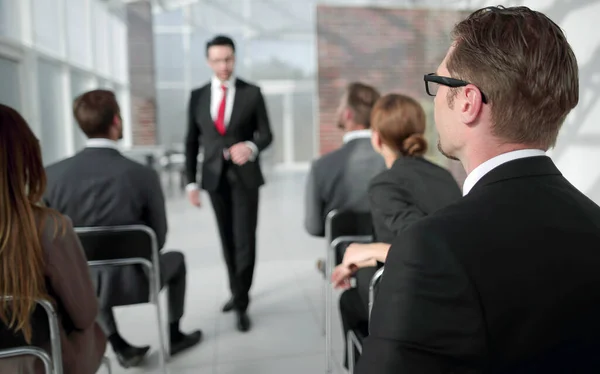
{"points": [[401, 195], [249, 122], [339, 180], [101, 187], [506, 280], [411, 189], [70, 283]]}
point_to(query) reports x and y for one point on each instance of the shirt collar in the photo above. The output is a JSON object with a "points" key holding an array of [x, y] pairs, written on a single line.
{"points": [[357, 134], [216, 83], [481, 170], [101, 143]]}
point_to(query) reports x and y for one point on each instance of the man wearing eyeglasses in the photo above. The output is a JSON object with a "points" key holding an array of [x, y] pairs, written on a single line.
{"points": [[229, 118], [507, 280]]}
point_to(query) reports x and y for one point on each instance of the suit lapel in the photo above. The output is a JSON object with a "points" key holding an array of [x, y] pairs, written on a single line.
{"points": [[238, 105], [204, 108]]}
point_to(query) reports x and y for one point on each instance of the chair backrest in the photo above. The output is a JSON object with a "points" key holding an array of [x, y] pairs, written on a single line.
{"points": [[347, 223], [28, 351], [114, 243], [45, 329], [373, 286]]}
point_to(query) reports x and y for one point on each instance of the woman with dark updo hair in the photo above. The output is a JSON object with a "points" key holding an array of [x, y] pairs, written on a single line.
{"points": [[411, 188]]}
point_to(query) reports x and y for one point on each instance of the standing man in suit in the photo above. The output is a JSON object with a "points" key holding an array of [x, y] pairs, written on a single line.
{"points": [[505, 280], [229, 118]]}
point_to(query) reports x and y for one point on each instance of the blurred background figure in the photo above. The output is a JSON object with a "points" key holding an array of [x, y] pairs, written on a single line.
{"points": [[229, 118]]}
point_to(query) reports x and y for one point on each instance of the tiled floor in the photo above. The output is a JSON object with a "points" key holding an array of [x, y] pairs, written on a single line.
{"points": [[286, 304]]}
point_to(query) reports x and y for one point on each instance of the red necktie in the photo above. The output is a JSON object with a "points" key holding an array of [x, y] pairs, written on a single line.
{"points": [[220, 122]]}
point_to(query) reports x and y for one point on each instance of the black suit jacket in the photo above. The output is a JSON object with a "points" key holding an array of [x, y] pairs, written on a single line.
{"points": [[101, 187], [340, 180], [401, 195], [506, 280], [249, 122], [411, 189]]}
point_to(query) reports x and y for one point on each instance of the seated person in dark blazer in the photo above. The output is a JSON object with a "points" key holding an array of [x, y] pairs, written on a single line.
{"points": [[101, 187], [339, 179], [410, 189], [505, 280]]}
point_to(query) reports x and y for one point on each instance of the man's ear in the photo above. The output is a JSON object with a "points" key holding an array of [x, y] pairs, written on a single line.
{"points": [[471, 103], [348, 115]]}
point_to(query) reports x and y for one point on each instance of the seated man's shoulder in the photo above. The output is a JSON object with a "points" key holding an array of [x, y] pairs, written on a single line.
{"points": [[454, 220], [329, 159]]}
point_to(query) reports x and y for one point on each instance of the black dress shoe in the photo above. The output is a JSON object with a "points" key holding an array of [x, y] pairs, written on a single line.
{"points": [[185, 341], [131, 356], [243, 322], [228, 307]]}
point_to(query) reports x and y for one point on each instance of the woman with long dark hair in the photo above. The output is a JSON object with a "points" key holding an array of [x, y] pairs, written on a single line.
{"points": [[40, 258]]}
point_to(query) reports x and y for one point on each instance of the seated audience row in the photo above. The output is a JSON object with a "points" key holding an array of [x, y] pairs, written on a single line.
{"points": [[411, 188], [96, 187], [504, 279]]}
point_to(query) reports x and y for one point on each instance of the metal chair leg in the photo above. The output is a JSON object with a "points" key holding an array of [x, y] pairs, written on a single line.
{"points": [[163, 352], [324, 305], [350, 353], [106, 364], [328, 311]]}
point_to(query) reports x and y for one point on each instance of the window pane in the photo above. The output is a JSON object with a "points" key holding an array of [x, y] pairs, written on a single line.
{"points": [[119, 43], [304, 126], [78, 33], [169, 18], [274, 59], [10, 91], [102, 35], [80, 83], [50, 94], [275, 109], [46, 25], [172, 115], [169, 58], [9, 26]]}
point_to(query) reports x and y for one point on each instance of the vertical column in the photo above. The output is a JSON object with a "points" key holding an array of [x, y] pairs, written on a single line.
{"points": [[29, 71], [68, 125], [142, 78], [186, 34], [288, 127], [247, 33]]}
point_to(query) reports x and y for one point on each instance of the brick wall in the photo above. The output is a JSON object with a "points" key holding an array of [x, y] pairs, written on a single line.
{"points": [[390, 49], [141, 73]]}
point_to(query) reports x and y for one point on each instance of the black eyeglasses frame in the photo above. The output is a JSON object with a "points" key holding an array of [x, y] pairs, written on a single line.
{"points": [[449, 82]]}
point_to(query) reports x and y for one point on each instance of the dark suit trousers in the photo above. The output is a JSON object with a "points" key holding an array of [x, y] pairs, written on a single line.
{"points": [[236, 211], [173, 276], [354, 308]]}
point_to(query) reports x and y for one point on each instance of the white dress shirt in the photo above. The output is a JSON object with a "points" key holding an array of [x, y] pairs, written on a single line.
{"points": [[357, 134], [216, 96], [101, 143], [481, 170]]}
